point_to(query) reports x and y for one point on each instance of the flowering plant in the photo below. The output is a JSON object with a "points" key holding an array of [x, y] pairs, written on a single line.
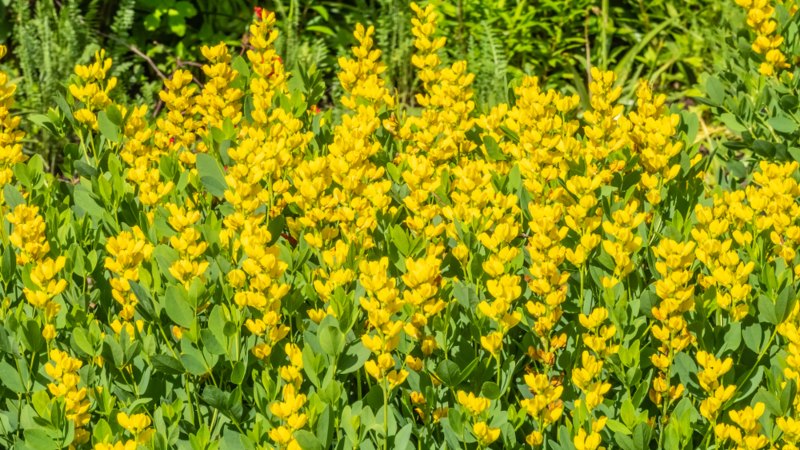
{"points": [[243, 271]]}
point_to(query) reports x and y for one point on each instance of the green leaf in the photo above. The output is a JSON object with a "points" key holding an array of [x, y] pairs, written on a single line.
{"points": [[101, 432], [465, 294], [85, 203], [493, 149], [12, 196], [11, 378], [354, 358], [782, 124], [151, 22], [240, 65], [491, 390], [237, 375], [145, 302], [178, 307], [216, 397], [448, 372], [766, 310], [749, 385], [114, 115], [8, 264], [401, 240], [211, 175], [307, 440], [752, 336], [40, 439], [81, 339], [321, 29], [789, 102], [211, 342], [618, 427], [165, 256], [642, 435], [331, 340], [732, 122], [193, 363], [403, 437], [177, 24], [167, 364], [715, 90], [107, 127], [231, 440]]}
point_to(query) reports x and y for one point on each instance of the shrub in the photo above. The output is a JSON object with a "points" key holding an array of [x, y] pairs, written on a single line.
{"points": [[245, 271]]}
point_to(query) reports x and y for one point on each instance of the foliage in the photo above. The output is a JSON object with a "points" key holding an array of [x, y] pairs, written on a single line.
{"points": [[236, 268], [754, 93]]}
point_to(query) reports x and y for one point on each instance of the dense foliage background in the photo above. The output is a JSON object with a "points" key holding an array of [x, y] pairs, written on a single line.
{"points": [[669, 43]]}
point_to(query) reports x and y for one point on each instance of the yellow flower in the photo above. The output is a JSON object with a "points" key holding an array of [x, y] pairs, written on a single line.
{"points": [[28, 234], [91, 89], [135, 423], [476, 405], [713, 369], [790, 428], [582, 441], [712, 406], [49, 332], [747, 418], [127, 445], [484, 433], [492, 342]]}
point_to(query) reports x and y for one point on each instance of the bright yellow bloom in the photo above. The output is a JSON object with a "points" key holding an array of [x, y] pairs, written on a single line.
{"points": [[484, 433], [476, 405]]}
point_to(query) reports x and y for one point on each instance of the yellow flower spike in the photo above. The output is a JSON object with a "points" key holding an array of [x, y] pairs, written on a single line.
{"points": [[292, 402], [92, 89], [28, 233], [63, 370], [767, 42]]}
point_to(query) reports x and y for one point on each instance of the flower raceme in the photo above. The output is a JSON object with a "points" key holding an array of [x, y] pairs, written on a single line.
{"points": [[484, 277]]}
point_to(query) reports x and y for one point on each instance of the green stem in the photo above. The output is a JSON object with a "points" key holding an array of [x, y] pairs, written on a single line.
{"points": [[385, 414], [583, 276], [604, 35], [499, 368], [189, 399]]}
